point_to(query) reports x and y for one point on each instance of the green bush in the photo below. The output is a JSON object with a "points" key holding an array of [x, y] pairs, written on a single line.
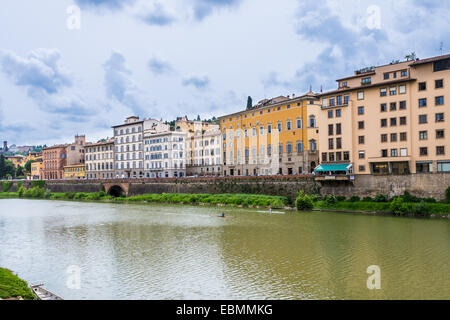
{"points": [[397, 206], [355, 199], [12, 286], [303, 201], [381, 198], [315, 197], [38, 183], [330, 200], [19, 184], [447, 195], [407, 197], [6, 185], [421, 209], [367, 199], [341, 198]]}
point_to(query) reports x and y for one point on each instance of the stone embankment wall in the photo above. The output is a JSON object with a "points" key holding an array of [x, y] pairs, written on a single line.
{"points": [[421, 185]]}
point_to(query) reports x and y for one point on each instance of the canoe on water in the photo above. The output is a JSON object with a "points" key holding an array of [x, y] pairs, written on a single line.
{"points": [[44, 294]]}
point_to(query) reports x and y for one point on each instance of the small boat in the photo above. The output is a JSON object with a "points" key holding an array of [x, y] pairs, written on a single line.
{"points": [[44, 294]]}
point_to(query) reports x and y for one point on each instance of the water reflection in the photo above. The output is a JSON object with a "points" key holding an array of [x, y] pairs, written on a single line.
{"points": [[182, 252]]}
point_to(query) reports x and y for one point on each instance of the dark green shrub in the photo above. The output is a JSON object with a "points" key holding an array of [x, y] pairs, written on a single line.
{"points": [[447, 195], [19, 184], [381, 198], [303, 201], [21, 191], [341, 198], [367, 199], [355, 199], [330, 200], [397, 206], [38, 183], [407, 197], [6, 185], [421, 208]]}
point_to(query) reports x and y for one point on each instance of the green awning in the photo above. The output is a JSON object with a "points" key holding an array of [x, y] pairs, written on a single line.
{"points": [[332, 167]]}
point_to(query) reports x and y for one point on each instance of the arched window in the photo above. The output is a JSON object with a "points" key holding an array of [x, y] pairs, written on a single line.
{"points": [[312, 145]]}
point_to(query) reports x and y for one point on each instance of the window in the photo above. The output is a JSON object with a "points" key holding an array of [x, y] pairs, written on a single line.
{"points": [[393, 106], [330, 114], [361, 140], [393, 91], [312, 122], [424, 167], [361, 155], [383, 92], [269, 128], [423, 135], [346, 99], [422, 86], [438, 84], [439, 117], [394, 152], [279, 126], [300, 146], [361, 125], [361, 95], [404, 73], [383, 107], [289, 125], [444, 166], [384, 137], [338, 113], [402, 89], [441, 65], [402, 105], [403, 136], [339, 100], [393, 137], [338, 143], [362, 168], [330, 129], [346, 156], [331, 156], [386, 76], [440, 151], [299, 123], [403, 152], [330, 144], [338, 128], [423, 151], [439, 101], [338, 156], [422, 102], [384, 153], [360, 110], [366, 81], [324, 157], [402, 121], [383, 123], [423, 119], [332, 104], [289, 147], [440, 134]]}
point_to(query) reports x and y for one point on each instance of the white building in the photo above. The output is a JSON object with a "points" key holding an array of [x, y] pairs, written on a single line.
{"points": [[128, 148], [165, 153]]}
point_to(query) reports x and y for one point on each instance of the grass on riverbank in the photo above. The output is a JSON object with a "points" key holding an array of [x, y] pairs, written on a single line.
{"points": [[244, 200], [11, 286]]}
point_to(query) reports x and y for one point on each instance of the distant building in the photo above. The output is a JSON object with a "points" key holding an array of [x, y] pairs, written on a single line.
{"points": [[75, 151], [128, 144], [165, 154], [54, 159], [203, 147], [36, 168], [99, 160], [76, 171]]}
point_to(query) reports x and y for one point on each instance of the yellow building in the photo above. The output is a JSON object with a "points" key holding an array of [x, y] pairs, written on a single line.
{"points": [[17, 160], [36, 168], [276, 137], [74, 171], [391, 119]]}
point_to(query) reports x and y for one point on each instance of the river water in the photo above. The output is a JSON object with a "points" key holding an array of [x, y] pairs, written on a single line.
{"points": [[144, 251]]}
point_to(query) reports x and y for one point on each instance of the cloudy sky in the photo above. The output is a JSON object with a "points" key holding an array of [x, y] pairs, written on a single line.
{"points": [[171, 58]]}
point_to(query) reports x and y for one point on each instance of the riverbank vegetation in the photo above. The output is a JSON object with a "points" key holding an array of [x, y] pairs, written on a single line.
{"points": [[244, 200], [404, 205], [11, 286]]}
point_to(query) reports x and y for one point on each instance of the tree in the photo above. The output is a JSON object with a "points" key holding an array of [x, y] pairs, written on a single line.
{"points": [[198, 118], [19, 171], [411, 57], [6, 167], [249, 103], [28, 165]]}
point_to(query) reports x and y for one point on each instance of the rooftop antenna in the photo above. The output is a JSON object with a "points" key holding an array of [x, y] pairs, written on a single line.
{"points": [[441, 47]]}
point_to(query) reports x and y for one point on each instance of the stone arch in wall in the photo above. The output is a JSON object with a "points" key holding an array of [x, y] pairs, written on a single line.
{"points": [[117, 189]]}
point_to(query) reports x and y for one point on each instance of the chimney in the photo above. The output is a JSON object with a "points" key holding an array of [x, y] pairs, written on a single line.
{"points": [[293, 95]]}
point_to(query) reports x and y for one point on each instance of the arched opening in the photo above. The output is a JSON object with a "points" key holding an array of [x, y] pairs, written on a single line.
{"points": [[116, 191]]}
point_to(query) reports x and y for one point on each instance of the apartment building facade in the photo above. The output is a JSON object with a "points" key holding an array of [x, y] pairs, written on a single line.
{"points": [[203, 147], [390, 119], [99, 160], [128, 148], [276, 137], [54, 159], [165, 154]]}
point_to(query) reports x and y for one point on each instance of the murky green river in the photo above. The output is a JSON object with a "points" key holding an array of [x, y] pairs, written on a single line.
{"points": [[182, 252]]}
